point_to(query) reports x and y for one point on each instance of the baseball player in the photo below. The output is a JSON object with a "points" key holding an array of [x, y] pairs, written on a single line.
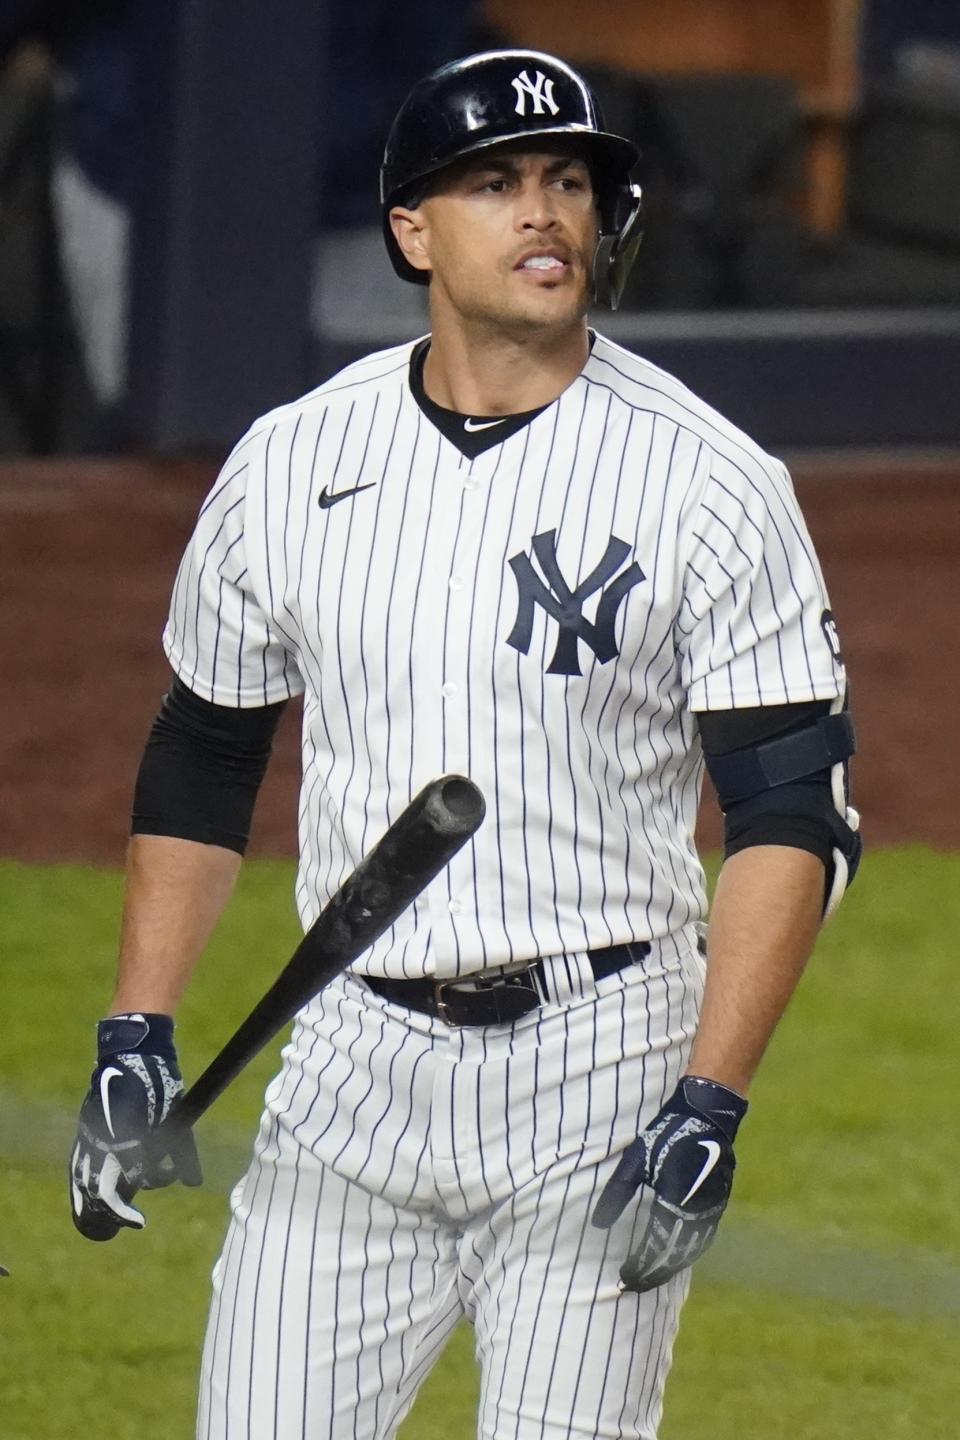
{"points": [[515, 550]]}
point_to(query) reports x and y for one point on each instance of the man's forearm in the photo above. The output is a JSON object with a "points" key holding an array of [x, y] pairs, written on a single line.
{"points": [[176, 892], [763, 924]]}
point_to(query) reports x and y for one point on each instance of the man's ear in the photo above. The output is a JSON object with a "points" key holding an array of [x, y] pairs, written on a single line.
{"points": [[409, 231]]}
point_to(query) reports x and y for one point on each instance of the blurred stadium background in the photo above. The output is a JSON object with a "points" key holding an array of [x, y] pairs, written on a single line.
{"points": [[189, 234]]}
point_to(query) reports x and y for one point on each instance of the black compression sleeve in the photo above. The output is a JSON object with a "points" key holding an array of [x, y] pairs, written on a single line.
{"points": [[202, 768], [802, 814], [724, 730], [798, 816]]}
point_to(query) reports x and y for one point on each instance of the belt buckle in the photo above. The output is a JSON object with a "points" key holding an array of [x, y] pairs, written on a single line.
{"points": [[442, 1012], [480, 983]]}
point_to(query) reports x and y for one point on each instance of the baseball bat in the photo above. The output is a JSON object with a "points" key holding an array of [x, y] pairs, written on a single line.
{"points": [[434, 826]]}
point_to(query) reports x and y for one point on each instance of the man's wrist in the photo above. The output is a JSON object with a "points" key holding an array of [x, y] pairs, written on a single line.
{"points": [[722, 1070]]}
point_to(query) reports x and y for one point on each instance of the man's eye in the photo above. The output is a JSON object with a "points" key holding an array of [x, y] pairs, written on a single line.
{"points": [[570, 182]]}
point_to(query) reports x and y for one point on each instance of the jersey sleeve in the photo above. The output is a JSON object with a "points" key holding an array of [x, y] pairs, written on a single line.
{"points": [[217, 637], [754, 624]]}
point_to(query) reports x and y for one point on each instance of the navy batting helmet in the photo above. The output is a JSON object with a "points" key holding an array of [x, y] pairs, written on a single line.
{"points": [[501, 95]]}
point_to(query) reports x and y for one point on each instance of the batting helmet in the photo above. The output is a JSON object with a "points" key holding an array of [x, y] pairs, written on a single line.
{"points": [[499, 95]]}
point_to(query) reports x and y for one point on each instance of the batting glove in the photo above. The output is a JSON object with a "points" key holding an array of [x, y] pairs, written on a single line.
{"points": [[685, 1156], [136, 1081]]}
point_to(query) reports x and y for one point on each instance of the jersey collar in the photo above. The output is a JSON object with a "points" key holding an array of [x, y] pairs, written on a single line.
{"points": [[471, 434]]}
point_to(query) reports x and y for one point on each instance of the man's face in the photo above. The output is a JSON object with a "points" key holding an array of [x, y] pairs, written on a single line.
{"points": [[508, 238]]}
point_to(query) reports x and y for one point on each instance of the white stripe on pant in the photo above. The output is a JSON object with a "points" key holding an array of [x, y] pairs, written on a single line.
{"points": [[407, 1174]]}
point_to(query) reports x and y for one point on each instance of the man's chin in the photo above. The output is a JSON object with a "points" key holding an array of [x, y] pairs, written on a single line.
{"points": [[547, 310]]}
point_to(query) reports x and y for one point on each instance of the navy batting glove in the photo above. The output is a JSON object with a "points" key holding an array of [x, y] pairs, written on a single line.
{"points": [[685, 1156], [132, 1089]]}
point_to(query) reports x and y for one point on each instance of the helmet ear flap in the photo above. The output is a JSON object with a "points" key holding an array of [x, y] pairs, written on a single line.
{"points": [[619, 242]]}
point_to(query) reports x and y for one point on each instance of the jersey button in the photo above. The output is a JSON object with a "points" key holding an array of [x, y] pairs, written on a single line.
{"points": [[454, 907], [469, 484], [455, 582], [448, 689]]}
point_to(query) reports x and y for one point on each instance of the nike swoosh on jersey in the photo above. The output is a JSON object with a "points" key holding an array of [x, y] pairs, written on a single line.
{"points": [[471, 425], [105, 1079], [713, 1155], [325, 499]]}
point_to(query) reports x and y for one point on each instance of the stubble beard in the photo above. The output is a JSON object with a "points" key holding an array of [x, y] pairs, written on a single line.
{"points": [[521, 317]]}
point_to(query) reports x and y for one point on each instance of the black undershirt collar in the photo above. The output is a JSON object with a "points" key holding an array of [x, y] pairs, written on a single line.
{"points": [[471, 434]]}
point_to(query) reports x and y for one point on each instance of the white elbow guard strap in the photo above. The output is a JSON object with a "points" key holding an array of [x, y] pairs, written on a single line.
{"points": [[846, 855]]}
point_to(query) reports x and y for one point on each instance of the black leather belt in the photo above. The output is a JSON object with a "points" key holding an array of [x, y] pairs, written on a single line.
{"points": [[497, 1000]]}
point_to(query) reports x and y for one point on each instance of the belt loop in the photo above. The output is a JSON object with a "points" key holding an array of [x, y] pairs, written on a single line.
{"points": [[581, 981]]}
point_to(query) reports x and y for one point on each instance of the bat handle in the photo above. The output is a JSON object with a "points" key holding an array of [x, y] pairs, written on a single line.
{"points": [[159, 1144]]}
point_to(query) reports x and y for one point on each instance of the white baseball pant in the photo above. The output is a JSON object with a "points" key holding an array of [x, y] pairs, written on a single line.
{"points": [[407, 1174]]}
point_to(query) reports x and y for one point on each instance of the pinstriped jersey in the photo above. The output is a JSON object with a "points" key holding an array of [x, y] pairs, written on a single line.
{"points": [[545, 614]]}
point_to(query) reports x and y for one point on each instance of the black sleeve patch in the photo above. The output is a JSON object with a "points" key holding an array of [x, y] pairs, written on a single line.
{"points": [[832, 635]]}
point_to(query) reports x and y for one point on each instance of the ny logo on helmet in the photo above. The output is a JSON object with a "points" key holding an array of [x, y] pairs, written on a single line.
{"points": [[539, 90], [565, 605]]}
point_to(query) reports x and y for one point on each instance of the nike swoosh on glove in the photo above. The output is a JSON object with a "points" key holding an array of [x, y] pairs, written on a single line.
{"points": [[132, 1089], [685, 1156]]}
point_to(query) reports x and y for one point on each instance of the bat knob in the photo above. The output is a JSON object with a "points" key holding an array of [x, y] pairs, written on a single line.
{"points": [[461, 797], [454, 805]]}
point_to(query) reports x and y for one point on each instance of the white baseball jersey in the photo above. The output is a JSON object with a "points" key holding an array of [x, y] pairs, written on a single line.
{"points": [[542, 607], [542, 603]]}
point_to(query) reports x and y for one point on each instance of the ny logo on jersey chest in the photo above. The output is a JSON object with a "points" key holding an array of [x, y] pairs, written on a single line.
{"points": [[565, 605]]}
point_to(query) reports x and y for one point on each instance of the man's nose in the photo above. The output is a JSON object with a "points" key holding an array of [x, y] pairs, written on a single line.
{"points": [[536, 209]]}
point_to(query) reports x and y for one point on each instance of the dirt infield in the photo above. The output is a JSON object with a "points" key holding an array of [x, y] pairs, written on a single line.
{"points": [[87, 556]]}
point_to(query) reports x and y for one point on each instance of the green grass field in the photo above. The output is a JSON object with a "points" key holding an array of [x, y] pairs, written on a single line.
{"points": [[829, 1308]]}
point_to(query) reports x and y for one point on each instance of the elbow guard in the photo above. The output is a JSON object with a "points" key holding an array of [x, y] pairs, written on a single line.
{"points": [[792, 788]]}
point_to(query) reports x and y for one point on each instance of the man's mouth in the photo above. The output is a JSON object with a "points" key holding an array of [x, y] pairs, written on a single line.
{"points": [[548, 265]]}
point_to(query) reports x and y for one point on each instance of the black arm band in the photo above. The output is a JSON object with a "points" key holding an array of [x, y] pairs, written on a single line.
{"points": [[757, 809], [802, 816], [201, 769], [792, 754]]}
